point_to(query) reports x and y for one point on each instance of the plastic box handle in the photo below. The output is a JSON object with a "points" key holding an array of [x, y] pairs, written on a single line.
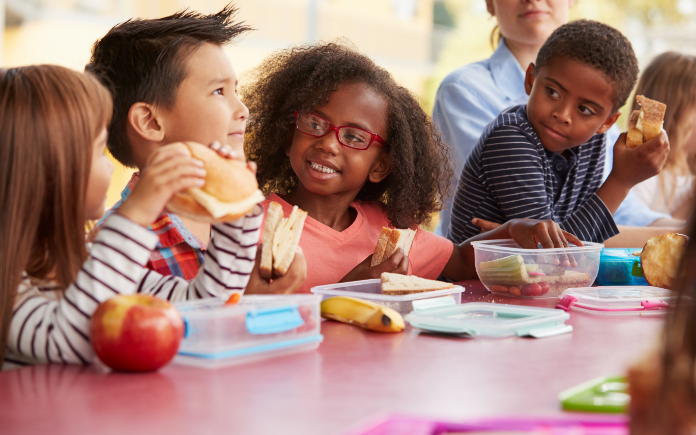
{"points": [[273, 320]]}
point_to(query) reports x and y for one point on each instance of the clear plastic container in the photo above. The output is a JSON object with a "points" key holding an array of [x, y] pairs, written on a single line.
{"points": [[371, 290], [620, 267], [618, 300], [506, 269], [258, 327]]}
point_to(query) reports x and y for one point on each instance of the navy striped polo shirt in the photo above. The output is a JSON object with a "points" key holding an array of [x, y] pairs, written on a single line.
{"points": [[510, 175]]}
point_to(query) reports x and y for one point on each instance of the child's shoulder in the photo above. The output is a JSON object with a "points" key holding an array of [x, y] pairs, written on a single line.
{"points": [[511, 126], [473, 77]]}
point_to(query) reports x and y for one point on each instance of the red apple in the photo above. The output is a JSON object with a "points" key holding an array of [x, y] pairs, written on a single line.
{"points": [[661, 257], [136, 332]]}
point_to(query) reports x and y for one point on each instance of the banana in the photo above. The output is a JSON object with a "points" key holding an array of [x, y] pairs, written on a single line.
{"points": [[362, 313]]}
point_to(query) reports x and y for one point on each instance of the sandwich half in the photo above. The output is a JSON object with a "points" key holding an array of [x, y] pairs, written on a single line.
{"points": [[273, 217], [281, 236], [389, 241], [396, 284], [646, 123]]}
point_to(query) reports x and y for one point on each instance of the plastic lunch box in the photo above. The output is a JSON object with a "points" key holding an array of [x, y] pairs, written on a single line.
{"points": [[483, 319], [620, 267], [618, 301], [258, 327], [371, 290], [509, 270]]}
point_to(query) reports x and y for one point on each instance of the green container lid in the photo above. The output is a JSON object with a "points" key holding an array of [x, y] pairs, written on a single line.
{"points": [[604, 394]]}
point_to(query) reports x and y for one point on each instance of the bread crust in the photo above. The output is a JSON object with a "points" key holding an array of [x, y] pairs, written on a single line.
{"points": [[382, 242], [396, 284], [653, 114], [284, 264]]}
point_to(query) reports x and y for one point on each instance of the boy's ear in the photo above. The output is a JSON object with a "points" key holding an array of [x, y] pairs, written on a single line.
{"points": [[381, 169], [490, 7], [529, 79], [143, 118], [606, 125]]}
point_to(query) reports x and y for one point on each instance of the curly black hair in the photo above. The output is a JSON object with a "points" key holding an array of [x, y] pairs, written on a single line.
{"points": [[303, 77], [145, 61], [599, 46]]}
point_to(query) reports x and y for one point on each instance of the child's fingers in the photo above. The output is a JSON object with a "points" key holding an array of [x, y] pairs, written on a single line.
{"points": [[484, 224], [560, 242], [168, 181], [572, 239], [182, 183], [172, 162], [252, 167], [164, 153], [293, 278], [175, 166], [393, 263], [543, 238], [403, 266]]}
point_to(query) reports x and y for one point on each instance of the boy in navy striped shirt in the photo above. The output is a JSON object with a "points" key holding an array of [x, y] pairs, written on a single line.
{"points": [[545, 160]]}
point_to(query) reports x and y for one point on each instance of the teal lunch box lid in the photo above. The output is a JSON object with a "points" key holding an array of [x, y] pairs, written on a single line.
{"points": [[482, 319]]}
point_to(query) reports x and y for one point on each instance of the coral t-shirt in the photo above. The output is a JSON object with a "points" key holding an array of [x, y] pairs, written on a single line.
{"points": [[331, 254]]}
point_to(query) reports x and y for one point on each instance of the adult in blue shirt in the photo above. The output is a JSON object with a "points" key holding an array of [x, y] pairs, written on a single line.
{"points": [[472, 96]]}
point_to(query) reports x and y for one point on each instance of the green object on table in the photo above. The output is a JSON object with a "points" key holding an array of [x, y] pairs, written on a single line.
{"points": [[637, 270], [604, 394]]}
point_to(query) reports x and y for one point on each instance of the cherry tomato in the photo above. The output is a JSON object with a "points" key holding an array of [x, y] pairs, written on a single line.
{"points": [[530, 290]]}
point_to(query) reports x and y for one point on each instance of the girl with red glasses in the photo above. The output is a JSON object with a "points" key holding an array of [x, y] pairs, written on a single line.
{"points": [[334, 134]]}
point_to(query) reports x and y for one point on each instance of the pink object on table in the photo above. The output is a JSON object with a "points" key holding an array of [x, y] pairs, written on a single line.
{"points": [[353, 376], [585, 424]]}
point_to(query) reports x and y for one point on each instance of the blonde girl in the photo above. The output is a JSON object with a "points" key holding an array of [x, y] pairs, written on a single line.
{"points": [[671, 79], [53, 179]]}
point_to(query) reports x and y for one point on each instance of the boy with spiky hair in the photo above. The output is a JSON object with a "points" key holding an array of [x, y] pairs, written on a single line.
{"points": [[545, 160], [171, 81]]}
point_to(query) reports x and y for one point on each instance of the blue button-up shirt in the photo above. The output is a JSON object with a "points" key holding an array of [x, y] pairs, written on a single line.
{"points": [[471, 97]]}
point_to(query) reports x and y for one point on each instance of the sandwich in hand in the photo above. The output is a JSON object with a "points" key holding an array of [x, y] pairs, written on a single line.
{"points": [[281, 236], [396, 284], [389, 241], [230, 189], [646, 123]]}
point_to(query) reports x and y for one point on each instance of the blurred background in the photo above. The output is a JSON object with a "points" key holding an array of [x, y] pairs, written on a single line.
{"points": [[418, 41]]}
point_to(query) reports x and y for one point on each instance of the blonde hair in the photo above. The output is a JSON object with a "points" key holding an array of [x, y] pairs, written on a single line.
{"points": [[671, 79], [49, 118]]}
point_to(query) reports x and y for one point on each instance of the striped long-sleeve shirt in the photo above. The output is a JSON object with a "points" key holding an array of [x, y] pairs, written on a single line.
{"points": [[48, 327], [511, 175]]}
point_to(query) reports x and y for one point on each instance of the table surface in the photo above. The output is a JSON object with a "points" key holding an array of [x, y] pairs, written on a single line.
{"points": [[352, 377]]}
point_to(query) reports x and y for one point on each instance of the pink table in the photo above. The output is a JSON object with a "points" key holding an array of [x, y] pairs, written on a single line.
{"points": [[353, 376]]}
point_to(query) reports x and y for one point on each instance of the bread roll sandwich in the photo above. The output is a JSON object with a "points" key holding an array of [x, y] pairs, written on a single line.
{"points": [[281, 236], [389, 241], [646, 123], [396, 284], [230, 189]]}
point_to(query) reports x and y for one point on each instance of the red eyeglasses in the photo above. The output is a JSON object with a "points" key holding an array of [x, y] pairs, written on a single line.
{"points": [[348, 136]]}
